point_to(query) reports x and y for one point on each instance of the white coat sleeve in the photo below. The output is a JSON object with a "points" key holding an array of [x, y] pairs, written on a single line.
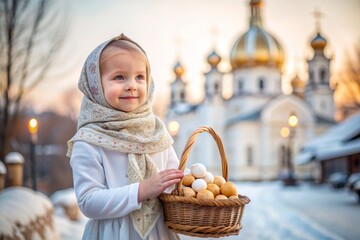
{"points": [[95, 200], [173, 161]]}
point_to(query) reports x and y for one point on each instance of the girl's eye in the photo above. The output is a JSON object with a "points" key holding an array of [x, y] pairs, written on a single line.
{"points": [[140, 77], [119, 77]]}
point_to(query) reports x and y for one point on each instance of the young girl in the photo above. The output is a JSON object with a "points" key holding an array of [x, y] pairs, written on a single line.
{"points": [[121, 156]]}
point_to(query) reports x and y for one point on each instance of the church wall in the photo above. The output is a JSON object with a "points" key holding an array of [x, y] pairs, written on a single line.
{"points": [[244, 163], [250, 78]]}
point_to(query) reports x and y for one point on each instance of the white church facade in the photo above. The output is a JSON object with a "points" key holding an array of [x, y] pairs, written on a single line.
{"points": [[253, 122]]}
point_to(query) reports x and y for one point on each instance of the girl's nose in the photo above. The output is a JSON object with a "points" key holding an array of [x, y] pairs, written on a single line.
{"points": [[131, 85]]}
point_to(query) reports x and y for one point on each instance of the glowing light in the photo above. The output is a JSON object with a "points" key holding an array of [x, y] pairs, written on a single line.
{"points": [[174, 127], [33, 126], [285, 132], [293, 120]]}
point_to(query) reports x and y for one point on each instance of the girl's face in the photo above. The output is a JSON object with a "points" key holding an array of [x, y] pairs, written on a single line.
{"points": [[123, 77]]}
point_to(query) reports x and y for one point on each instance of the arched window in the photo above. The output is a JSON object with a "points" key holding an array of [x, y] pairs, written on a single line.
{"points": [[240, 85], [249, 157], [311, 76], [216, 87], [322, 76], [182, 95], [261, 84]]}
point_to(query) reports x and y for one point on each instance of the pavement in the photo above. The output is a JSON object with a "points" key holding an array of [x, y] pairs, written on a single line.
{"points": [[303, 212]]}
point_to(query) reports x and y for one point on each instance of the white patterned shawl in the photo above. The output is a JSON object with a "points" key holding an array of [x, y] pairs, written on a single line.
{"points": [[137, 133]]}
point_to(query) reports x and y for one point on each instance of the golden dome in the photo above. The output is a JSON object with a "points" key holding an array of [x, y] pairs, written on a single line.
{"points": [[297, 83], [178, 69], [256, 46], [319, 42], [213, 59]]}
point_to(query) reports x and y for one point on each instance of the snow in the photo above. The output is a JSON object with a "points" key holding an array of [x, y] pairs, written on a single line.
{"points": [[339, 151], [21, 208], [341, 132], [2, 168], [14, 157], [305, 212], [64, 197], [336, 142], [68, 229]]}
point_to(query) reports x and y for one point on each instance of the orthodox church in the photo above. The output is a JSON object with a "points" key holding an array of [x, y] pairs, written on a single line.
{"points": [[253, 122]]}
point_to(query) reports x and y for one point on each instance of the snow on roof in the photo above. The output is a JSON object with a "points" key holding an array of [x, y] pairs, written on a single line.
{"points": [[2, 168], [345, 149], [341, 132], [64, 197], [336, 142], [14, 157]]}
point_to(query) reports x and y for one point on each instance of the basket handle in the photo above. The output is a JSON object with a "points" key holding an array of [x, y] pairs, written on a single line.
{"points": [[185, 154]]}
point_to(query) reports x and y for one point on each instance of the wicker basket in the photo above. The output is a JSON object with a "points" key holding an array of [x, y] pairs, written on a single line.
{"points": [[202, 217]]}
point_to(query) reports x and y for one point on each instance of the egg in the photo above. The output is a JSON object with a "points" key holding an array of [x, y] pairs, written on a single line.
{"points": [[198, 185], [189, 192], [221, 197], [205, 194], [228, 189], [188, 180], [187, 171], [198, 170], [213, 188], [209, 178], [234, 197], [219, 180]]}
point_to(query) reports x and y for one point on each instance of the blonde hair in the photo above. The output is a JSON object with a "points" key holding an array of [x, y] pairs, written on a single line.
{"points": [[128, 46]]}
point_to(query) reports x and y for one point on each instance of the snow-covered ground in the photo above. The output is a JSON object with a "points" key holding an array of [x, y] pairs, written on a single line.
{"points": [[302, 212]]}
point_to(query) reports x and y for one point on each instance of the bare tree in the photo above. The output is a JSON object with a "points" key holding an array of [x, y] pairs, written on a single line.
{"points": [[349, 86], [31, 33]]}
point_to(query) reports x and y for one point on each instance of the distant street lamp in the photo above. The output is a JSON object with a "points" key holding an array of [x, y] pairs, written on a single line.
{"points": [[33, 130], [290, 178], [174, 127]]}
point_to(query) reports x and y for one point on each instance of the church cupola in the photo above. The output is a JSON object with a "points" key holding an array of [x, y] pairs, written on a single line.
{"points": [[298, 86], [318, 92], [318, 43], [178, 86], [213, 59], [256, 47], [213, 78]]}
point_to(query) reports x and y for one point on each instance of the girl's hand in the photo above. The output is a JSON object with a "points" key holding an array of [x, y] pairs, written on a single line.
{"points": [[155, 185]]}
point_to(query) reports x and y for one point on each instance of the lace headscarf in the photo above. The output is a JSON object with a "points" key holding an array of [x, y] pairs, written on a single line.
{"points": [[137, 133]]}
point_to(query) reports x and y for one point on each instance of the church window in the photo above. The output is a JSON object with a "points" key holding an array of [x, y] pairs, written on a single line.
{"points": [[311, 76], [322, 76], [261, 84], [250, 159], [216, 87], [172, 96], [240, 85], [182, 95]]}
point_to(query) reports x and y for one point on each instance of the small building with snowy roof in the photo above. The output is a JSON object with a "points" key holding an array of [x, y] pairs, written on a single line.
{"points": [[337, 150]]}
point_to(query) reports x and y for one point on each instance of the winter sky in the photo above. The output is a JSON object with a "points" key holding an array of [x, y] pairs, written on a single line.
{"points": [[188, 30]]}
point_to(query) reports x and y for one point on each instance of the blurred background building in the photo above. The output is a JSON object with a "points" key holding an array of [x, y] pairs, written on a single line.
{"points": [[253, 120]]}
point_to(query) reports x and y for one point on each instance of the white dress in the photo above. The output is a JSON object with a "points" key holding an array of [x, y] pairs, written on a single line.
{"points": [[105, 196]]}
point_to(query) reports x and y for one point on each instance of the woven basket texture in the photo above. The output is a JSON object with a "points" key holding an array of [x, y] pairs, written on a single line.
{"points": [[203, 217]]}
